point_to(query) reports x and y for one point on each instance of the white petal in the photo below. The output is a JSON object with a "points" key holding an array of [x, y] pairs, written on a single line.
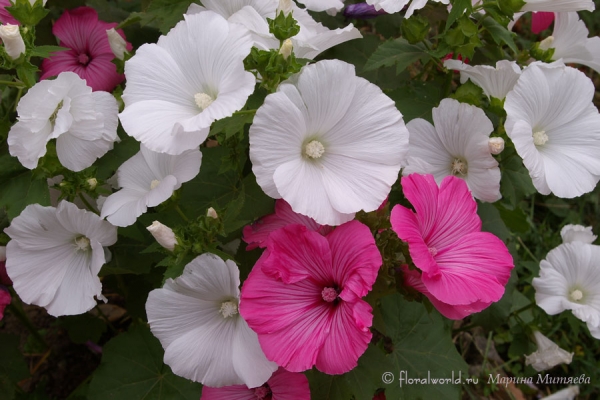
{"points": [[123, 207], [558, 5], [577, 233]]}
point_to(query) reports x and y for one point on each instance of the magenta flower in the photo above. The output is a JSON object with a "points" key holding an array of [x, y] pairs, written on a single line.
{"points": [[5, 16], [90, 55], [540, 21], [4, 300], [283, 385], [256, 234], [461, 267], [303, 297]]}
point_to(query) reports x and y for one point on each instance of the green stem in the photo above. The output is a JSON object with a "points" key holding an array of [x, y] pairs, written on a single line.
{"points": [[534, 258], [105, 318], [181, 214], [520, 310], [88, 205], [243, 112], [15, 309], [14, 84]]}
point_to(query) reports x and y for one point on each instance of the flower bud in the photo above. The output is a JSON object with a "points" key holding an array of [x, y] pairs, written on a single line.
{"points": [[163, 235], [13, 42], [286, 48], [577, 233], [118, 45], [362, 11], [496, 145], [32, 2], [92, 183], [546, 43], [211, 213], [548, 354]]}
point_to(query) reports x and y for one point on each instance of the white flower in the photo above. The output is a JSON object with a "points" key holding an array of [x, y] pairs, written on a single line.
{"points": [[547, 355], [196, 319], [312, 40], [147, 179], [570, 280], [179, 86], [558, 5], [54, 257], [163, 235], [323, 5], [571, 43], [556, 128], [495, 82], [328, 142], [394, 6], [565, 394], [13, 41], [118, 45], [577, 233], [457, 144], [212, 213], [84, 123]]}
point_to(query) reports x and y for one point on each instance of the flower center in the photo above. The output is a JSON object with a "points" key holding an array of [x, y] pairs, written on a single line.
{"points": [[203, 100], [432, 251], [540, 138], [314, 149], [329, 294], [262, 393], [576, 295], [55, 113], [82, 243], [228, 309], [154, 184], [459, 166], [83, 59]]}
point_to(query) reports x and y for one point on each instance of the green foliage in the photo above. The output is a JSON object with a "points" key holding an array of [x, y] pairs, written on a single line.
{"points": [[132, 368], [12, 367], [421, 345], [469, 93], [417, 99], [415, 29], [84, 327], [23, 189], [163, 14], [283, 27], [26, 13], [272, 67], [397, 52]]}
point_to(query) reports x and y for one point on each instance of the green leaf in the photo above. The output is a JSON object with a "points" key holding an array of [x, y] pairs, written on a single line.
{"points": [[132, 368], [396, 52], [283, 27], [417, 99], [82, 328], [497, 314], [165, 14], [12, 365], [27, 73], [422, 347], [516, 182], [468, 93], [492, 221], [231, 125], [362, 382], [458, 9], [415, 29], [26, 13], [499, 33], [46, 51], [21, 190]]}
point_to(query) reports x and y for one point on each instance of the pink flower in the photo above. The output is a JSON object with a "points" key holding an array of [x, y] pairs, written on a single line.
{"points": [[4, 278], [540, 21], [303, 297], [5, 16], [256, 234], [463, 269], [4, 300], [90, 54], [282, 385]]}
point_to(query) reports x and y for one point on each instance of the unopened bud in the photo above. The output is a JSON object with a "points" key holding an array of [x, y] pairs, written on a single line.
{"points": [[496, 145], [286, 48], [118, 45], [163, 235], [32, 2], [285, 6], [13, 41], [92, 183], [211, 213], [546, 43]]}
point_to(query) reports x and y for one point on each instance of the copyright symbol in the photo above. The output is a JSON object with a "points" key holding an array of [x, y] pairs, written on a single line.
{"points": [[387, 377]]}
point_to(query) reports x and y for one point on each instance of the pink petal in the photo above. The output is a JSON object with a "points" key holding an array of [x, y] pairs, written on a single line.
{"points": [[4, 300], [348, 338], [287, 385], [475, 268], [412, 278], [355, 258], [256, 234], [541, 21], [5, 16], [236, 392], [296, 253], [294, 338]]}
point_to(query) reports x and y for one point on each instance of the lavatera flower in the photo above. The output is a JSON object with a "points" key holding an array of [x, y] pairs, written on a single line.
{"points": [[54, 257], [197, 321], [84, 123]]}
